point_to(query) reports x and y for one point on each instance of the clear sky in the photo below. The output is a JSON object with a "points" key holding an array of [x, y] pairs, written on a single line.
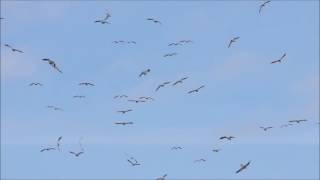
{"points": [[243, 91]]}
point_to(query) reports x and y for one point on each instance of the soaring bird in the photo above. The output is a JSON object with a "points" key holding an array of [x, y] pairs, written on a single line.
{"points": [[86, 84], [52, 63], [176, 148], [162, 177], [242, 167], [227, 137], [133, 161], [13, 49], [196, 90], [233, 40], [279, 60], [124, 111], [79, 96], [170, 54], [145, 72], [297, 121], [200, 160], [174, 44], [120, 96], [47, 149], [154, 20], [186, 41], [76, 154], [35, 84], [266, 128], [146, 98], [262, 6], [179, 81], [104, 20], [136, 101], [58, 142], [162, 85], [216, 150], [123, 123]]}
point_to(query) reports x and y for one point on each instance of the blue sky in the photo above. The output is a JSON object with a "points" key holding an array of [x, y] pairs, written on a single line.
{"points": [[242, 89]]}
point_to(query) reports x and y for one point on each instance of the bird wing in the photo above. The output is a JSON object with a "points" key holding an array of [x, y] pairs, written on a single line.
{"points": [[230, 43]]}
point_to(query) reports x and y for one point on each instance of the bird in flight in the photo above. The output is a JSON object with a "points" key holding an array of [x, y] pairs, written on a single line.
{"points": [[162, 85], [176, 148], [13, 49], [242, 167], [52, 63], [54, 108], [136, 101], [47, 149], [233, 40], [174, 44], [123, 123], [86, 84], [216, 150], [76, 154], [120, 96], [179, 81], [266, 128], [227, 137], [186, 41], [196, 90], [133, 161], [297, 121], [279, 60], [35, 84], [162, 177], [79, 96], [146, 98], [170, 54], [200, 160], [145, 72], [154, 20], [124, 111], [104, 20], [58, 142], [262, 5]]}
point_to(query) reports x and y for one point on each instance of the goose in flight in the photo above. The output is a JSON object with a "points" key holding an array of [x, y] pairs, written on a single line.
{"points": [[262, 5], [170, 54], [162, 85], [162, 177], [13, 49], [179, 81], [200, 160], [136, 101], [233, 40], [76, 154], [176, 148], [196, 90], [58, 142], [35, 84], [104, 20], [154, 20], [297, 121], [133, 161], [52, 63], [124, 111], [227, 137], [266, 128], [79, 96], [86, 84], [242, 167], [47, 149], [279, 60], [145, 72], [216, 150], [123, 123]]}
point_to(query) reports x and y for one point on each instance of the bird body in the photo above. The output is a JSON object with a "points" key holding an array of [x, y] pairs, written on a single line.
{"points": [[176, 148], [242, 167], [154, 20], [279, 60], [179, 81], [297, 121], [52, 63], [123, 123], [200, 160], [227, 137], [76, 154], [124, 111], [133, 161], [233, 40], [263, 5], [170, 54], [196, 90], [86, 84], [13, 49], [145, 72], [266, 128], [47, 149], [162, 85], [35, 84]]}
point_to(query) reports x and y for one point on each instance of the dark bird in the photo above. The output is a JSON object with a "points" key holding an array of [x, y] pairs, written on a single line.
{"points": [[52, 63], [176, 148], [35, 84], [162, 177], [13, 49], [196, 90], [133, 161], [227, 137], [262, 6], [146, 98], [162, 85], [136, 101], [266, 128], [174, 44], [170, 54], [120, 96], [145, 72], [124, 111], [104, 20], [179, 81], [200, 160], [47, 149], [154, 20], [86, 84], [186, 41], [279, 60], [216, 150], [123, 123], [233, 40], [297, 121], [242, 167], [79, 96], [76, 154], [58, 142]]}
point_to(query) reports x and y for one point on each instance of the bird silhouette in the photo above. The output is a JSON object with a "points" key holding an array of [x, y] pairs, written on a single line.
{"points": [[162, 85], [13, 49], [76, 154], [123, 123], [58, 142], [216, 150], [179, 81], [47, 149], [199, 160], [176, 148], [86, 84], [154, 20], [133, 162], [242, 167], [266, 128], [297, 121], [145, 72], [104, 20], [263, 5], [79, 96], [227, 137], [35, 84], [124, 111], [279, 60], [196, 90], [170, 54], [146, 98], [52, 63], [162, 177], [233, 40], [136, 101]]}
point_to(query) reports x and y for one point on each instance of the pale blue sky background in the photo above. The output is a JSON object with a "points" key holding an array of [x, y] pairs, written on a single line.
{"points": [[243, 91]]}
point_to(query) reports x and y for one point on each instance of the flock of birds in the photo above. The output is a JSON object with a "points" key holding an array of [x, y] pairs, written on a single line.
{"points": [[132, 161]]}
